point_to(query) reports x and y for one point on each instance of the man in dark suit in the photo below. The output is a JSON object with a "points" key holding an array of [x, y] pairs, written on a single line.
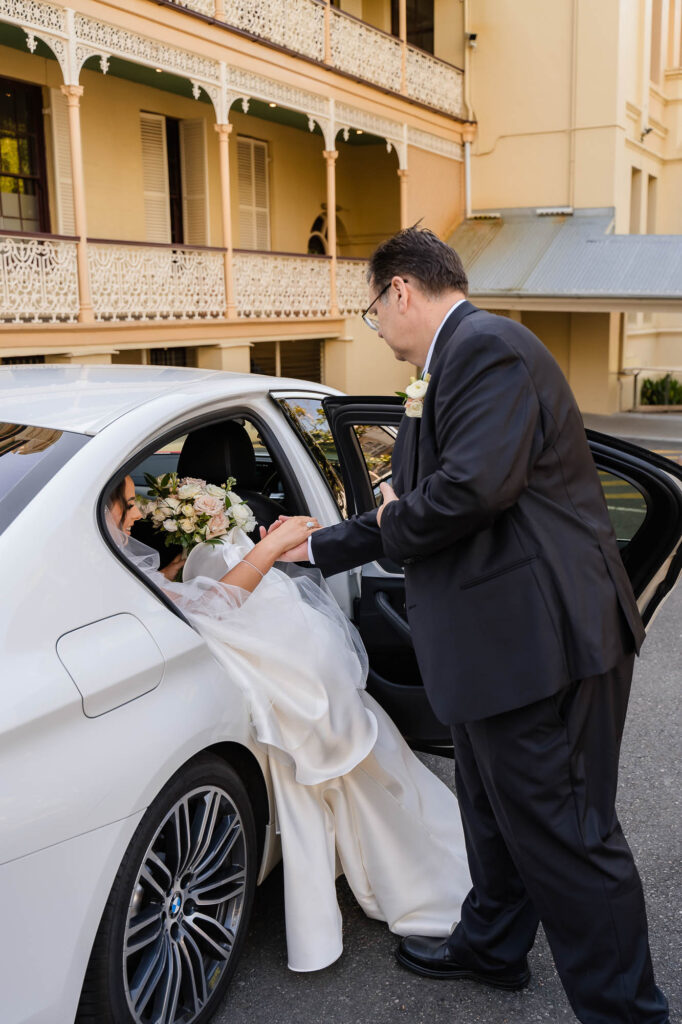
{"points": [[525, 629]]}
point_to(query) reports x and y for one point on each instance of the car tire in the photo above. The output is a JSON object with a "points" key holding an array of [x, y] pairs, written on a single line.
{"points": [[176, 918]]}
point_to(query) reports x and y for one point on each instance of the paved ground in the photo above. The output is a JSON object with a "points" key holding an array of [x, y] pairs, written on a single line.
{"points": [[366, 985]]}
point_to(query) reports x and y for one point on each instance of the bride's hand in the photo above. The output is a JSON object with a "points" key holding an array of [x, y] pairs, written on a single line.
{"points": [[171, 570]]}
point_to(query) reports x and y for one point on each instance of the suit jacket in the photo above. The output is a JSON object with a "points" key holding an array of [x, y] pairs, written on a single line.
{"points": [[514, 582]]}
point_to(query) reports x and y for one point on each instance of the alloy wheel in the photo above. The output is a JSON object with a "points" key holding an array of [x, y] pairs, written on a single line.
{"points": [[185, 909]]}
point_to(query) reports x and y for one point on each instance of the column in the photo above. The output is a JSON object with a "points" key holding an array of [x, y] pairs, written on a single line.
{"points": [[402, 33], [403, 175], [331, 156], [73, 94], [223, 131], [219, 12]]}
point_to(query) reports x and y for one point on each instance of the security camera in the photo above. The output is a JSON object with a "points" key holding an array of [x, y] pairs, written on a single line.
{"points": [[471, 39]]}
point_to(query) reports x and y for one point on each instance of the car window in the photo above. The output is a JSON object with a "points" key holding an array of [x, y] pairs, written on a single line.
{"points": [[164, 460], [309, 421], [29, 458], [376, 444], [626, 504]]}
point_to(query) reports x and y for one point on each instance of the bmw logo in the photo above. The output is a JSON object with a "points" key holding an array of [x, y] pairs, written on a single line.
{"points": [[175, 905]]}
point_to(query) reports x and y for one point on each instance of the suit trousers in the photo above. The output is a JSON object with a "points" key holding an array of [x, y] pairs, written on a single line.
{"points": [[537, 788]]}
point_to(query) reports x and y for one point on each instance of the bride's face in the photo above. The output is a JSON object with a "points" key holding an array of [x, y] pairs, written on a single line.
{"points": [[126, 513]]}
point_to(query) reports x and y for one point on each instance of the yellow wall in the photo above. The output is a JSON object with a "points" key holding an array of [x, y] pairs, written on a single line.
{"points": [[586, 347], [435, 191], [363, 364]]}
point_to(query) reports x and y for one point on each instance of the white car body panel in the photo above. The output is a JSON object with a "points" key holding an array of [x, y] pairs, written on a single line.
{"points": [[73, 787]]}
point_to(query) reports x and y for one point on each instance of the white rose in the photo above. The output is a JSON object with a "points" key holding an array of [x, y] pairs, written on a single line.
{"points": [[187, 525], [234, 498], [216, 492], [170, 525], [188, 491], [417, 389], [414, 408], [188, 510], [158, 515], [173, 503]]}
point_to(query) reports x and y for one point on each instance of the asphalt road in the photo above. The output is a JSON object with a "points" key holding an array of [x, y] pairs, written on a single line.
{"points": [[366, 985]]}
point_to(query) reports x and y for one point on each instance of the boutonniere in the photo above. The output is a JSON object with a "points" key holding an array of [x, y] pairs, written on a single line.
{"points": [[413, 395]]}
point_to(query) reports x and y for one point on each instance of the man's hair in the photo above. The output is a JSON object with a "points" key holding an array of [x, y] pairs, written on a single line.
{"points": [[418, 254]]}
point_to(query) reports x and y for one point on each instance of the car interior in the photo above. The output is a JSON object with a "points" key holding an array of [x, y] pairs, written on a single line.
{"points": [[214, 452]]}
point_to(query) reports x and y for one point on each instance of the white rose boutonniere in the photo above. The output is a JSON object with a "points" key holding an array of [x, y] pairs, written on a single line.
{"points": [[413, 396]]}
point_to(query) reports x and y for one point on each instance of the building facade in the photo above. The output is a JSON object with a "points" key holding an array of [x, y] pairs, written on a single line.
{"points": [[575, 220], [200, 182]]}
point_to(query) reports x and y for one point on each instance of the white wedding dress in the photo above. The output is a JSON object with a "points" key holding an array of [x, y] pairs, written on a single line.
{"points": [[349, 792]]}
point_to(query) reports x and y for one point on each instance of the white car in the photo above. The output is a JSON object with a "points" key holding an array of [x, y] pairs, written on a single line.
{"points": [[136, 811]]}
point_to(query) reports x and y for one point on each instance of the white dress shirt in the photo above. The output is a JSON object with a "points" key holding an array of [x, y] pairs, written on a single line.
{"points": [[427, 362]]}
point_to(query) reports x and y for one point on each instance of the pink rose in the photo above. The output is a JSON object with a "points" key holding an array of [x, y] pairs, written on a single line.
{"points": [[208, 504], [217, 525]]}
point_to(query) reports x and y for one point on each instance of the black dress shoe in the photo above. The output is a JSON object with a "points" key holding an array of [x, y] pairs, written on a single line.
{"points": [[432, 958]]}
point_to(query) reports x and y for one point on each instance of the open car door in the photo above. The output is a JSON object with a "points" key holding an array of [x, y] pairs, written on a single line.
{"points": [[643, 493]]}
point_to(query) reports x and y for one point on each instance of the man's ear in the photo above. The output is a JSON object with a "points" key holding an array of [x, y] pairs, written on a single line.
{"points": [[403, 296]]}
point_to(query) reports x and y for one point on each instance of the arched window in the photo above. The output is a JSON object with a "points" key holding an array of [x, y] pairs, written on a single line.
{"points": [[318, 237]]}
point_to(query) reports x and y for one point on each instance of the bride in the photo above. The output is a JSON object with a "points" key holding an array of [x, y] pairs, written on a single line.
{"points": [[349, 792]]}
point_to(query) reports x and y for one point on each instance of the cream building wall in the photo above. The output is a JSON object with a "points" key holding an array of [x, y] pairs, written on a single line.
{"points": [[571, 98]]}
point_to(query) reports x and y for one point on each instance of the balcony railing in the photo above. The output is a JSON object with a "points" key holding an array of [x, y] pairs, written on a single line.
{"points": [[38, 279], [278, 286], [355, 47], [143, 282], [137, 282]]}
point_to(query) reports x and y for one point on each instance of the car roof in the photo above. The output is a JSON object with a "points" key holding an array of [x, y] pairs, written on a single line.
{"points": [[85, 399]]}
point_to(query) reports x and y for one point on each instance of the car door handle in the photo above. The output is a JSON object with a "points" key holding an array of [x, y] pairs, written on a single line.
{"points": [[392, 616]]}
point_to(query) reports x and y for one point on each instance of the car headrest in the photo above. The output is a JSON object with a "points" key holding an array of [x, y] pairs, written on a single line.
{"points": [[218, 451]]}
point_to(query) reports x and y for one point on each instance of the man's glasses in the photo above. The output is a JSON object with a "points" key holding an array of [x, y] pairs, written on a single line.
{"points": [[371, 319]]}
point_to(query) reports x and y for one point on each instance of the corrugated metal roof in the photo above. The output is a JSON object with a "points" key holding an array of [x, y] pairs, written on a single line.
{"points": [[524, 254]]}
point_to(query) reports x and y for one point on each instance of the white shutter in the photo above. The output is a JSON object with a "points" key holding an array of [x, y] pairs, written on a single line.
{"points": [[194, 182], [155, 178], [254, 195], [61, 154]]}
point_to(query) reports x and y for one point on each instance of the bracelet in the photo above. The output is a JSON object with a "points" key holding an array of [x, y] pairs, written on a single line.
{"points": [[252, 566]]}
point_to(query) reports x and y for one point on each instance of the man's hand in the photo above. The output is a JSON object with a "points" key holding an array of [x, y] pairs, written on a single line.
{"points": [[388, 496]]}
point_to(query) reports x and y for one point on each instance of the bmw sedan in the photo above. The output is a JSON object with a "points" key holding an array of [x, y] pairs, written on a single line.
{"points": [[137, 811]]}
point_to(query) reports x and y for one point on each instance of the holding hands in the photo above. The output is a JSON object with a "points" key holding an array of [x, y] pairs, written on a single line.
{"points": [[289, 535]]}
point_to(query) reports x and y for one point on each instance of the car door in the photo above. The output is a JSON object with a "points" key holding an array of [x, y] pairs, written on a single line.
{"points": [[643, 493]]}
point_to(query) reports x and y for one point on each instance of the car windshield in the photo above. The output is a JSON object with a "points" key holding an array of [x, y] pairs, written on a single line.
{"points": [[29, 457]]}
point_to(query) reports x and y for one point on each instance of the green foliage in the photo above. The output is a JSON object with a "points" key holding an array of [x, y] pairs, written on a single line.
{"points": [[664, 391]]}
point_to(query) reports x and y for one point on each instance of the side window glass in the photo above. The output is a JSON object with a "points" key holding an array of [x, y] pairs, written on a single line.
{"points": [[626, 504], [309, 421], [165, 460], [376, 444]]}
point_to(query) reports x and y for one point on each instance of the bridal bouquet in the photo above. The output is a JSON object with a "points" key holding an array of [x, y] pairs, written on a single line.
{"points": [[190, 511]]}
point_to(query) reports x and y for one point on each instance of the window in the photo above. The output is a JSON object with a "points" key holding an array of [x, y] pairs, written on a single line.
{"points": [[376, 444], [419, 22], [29, 458], [16, 360], [626, 504], [172, 356], [307, 417], [174, 174], [254, 193], [300, 359], [23, 198]]}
